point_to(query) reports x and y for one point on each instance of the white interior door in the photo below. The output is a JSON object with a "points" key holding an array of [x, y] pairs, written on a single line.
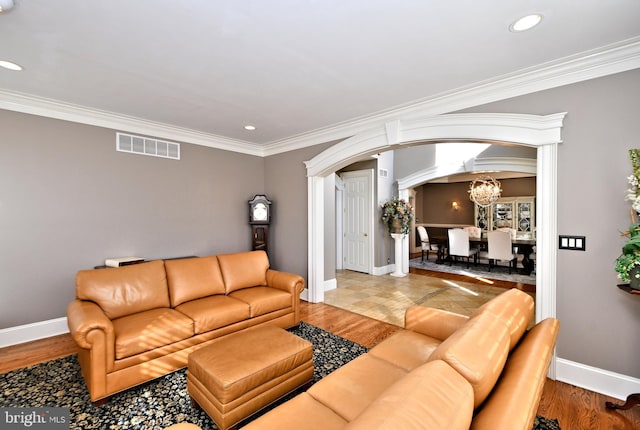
{"points": [[357, 220]]}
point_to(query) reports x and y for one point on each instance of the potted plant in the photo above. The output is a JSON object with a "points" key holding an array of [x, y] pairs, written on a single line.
{"points": [[397, 215], [628, 263]]}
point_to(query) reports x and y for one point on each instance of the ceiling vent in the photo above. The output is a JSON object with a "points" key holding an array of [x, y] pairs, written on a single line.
{"points": [[145, 146]]}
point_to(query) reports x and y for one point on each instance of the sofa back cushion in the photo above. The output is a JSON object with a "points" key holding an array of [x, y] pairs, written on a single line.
{"points": [[193, 278], [515, 308], [244, 270], [432, 396], [478, 351], [122, 291]]}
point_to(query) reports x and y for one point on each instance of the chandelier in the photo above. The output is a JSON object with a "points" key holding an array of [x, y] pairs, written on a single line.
{"points": [[484, 190]]}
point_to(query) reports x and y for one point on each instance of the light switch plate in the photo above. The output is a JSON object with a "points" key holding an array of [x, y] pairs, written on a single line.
{"points": [[573, 243]]}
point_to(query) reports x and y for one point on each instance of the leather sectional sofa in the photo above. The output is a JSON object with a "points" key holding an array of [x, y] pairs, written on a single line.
{"points": [[136, 323], [444, 371]]}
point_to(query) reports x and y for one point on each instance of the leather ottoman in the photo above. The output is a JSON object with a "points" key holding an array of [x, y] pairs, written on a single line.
{"points": [[242, 373]]}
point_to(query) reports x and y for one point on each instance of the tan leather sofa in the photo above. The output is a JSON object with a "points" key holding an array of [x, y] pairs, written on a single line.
{"points": [[444, 371], [136, 323]]}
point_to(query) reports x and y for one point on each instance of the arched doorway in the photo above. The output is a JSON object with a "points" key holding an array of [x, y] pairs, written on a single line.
{"points": [[542, 132]]}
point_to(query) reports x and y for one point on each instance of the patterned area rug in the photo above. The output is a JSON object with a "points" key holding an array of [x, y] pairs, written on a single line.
{"points": [[481, 270], [156, 404]]}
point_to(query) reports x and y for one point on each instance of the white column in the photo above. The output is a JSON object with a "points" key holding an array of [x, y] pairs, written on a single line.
{"points": [[398, 238], [315, 243]]}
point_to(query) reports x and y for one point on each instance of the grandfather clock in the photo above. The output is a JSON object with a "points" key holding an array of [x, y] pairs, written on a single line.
{"points": [[259, 218]]}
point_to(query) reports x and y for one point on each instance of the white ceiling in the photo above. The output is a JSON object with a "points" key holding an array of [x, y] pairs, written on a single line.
{"points": [[289, 67]]}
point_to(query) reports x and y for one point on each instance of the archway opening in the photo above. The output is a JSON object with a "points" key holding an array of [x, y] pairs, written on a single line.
{"points": [[542, 132]]}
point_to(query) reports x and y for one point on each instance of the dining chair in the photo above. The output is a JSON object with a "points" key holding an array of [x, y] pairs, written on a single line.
{"points": [[425, 244], [474, 233], [500, 248], [459, 246], [511, 231]]}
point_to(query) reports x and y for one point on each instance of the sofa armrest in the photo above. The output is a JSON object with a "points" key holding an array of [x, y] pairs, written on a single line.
{"points": [[291, 283], [89, 325], [514, 401], [431, 322], [285, 281]]}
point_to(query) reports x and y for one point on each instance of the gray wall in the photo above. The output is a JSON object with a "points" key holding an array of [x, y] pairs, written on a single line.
{"points": [[286, 186], [599, 322], [68, 200]]}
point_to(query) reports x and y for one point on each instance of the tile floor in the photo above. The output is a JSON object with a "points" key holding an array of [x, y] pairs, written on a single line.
{"points": [[386, 297]]}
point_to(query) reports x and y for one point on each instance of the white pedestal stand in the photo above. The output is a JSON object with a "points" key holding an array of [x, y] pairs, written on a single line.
{"points": [[398, 237]]}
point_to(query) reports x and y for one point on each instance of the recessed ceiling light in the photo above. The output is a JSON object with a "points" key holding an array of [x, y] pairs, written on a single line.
{"points": [[250, 127], [9, 65], [526, 22]]}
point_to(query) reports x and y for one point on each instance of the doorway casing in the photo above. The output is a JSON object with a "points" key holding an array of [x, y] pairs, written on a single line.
{"points": [[540, 131]]}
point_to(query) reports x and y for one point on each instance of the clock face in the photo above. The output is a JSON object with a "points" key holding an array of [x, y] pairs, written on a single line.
{"points": [[260, 212]]}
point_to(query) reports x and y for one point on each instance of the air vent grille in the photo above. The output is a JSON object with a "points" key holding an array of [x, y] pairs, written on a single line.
{"points": [[383, 173], [145, 146]]}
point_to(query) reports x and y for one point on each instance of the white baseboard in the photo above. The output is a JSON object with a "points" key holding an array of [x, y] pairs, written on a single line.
{"points": [[28, 332], [594, 379], [331, 284], [383, 270]]}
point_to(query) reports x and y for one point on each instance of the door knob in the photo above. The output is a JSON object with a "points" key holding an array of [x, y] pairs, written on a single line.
{"points": [[365, 235]]}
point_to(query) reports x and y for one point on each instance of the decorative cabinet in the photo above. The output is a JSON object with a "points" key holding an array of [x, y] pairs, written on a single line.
{"points": [[482, 217], [511, 212]]}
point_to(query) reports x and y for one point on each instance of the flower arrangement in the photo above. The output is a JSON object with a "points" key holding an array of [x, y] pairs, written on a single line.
{"points": [[397, 215], [628, 263]]}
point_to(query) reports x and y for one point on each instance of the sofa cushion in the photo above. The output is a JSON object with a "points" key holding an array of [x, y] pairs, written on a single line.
{"points": [[515, 308], [214, 312], [351, 388], [193, 278], [406, 349], [127, 290], [301, 412], [433, 396], [262, 300], [478, 351], [144, 331], [244, 270]]}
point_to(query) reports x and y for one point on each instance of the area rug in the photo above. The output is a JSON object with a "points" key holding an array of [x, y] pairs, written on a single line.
{"points": [[156, 404], [481, 270]]}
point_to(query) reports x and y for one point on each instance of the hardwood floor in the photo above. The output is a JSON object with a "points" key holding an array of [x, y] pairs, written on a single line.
{"points": [[575, 408]]}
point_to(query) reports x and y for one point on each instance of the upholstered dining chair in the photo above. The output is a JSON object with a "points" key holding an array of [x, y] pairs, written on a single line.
{"points": [[512, 232], [499, 249], [424, 242], [459, 246], [474, 233]]}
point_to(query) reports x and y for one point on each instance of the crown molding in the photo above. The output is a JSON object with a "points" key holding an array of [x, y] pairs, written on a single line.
{"points": [[69, 112], [615, 58]]}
